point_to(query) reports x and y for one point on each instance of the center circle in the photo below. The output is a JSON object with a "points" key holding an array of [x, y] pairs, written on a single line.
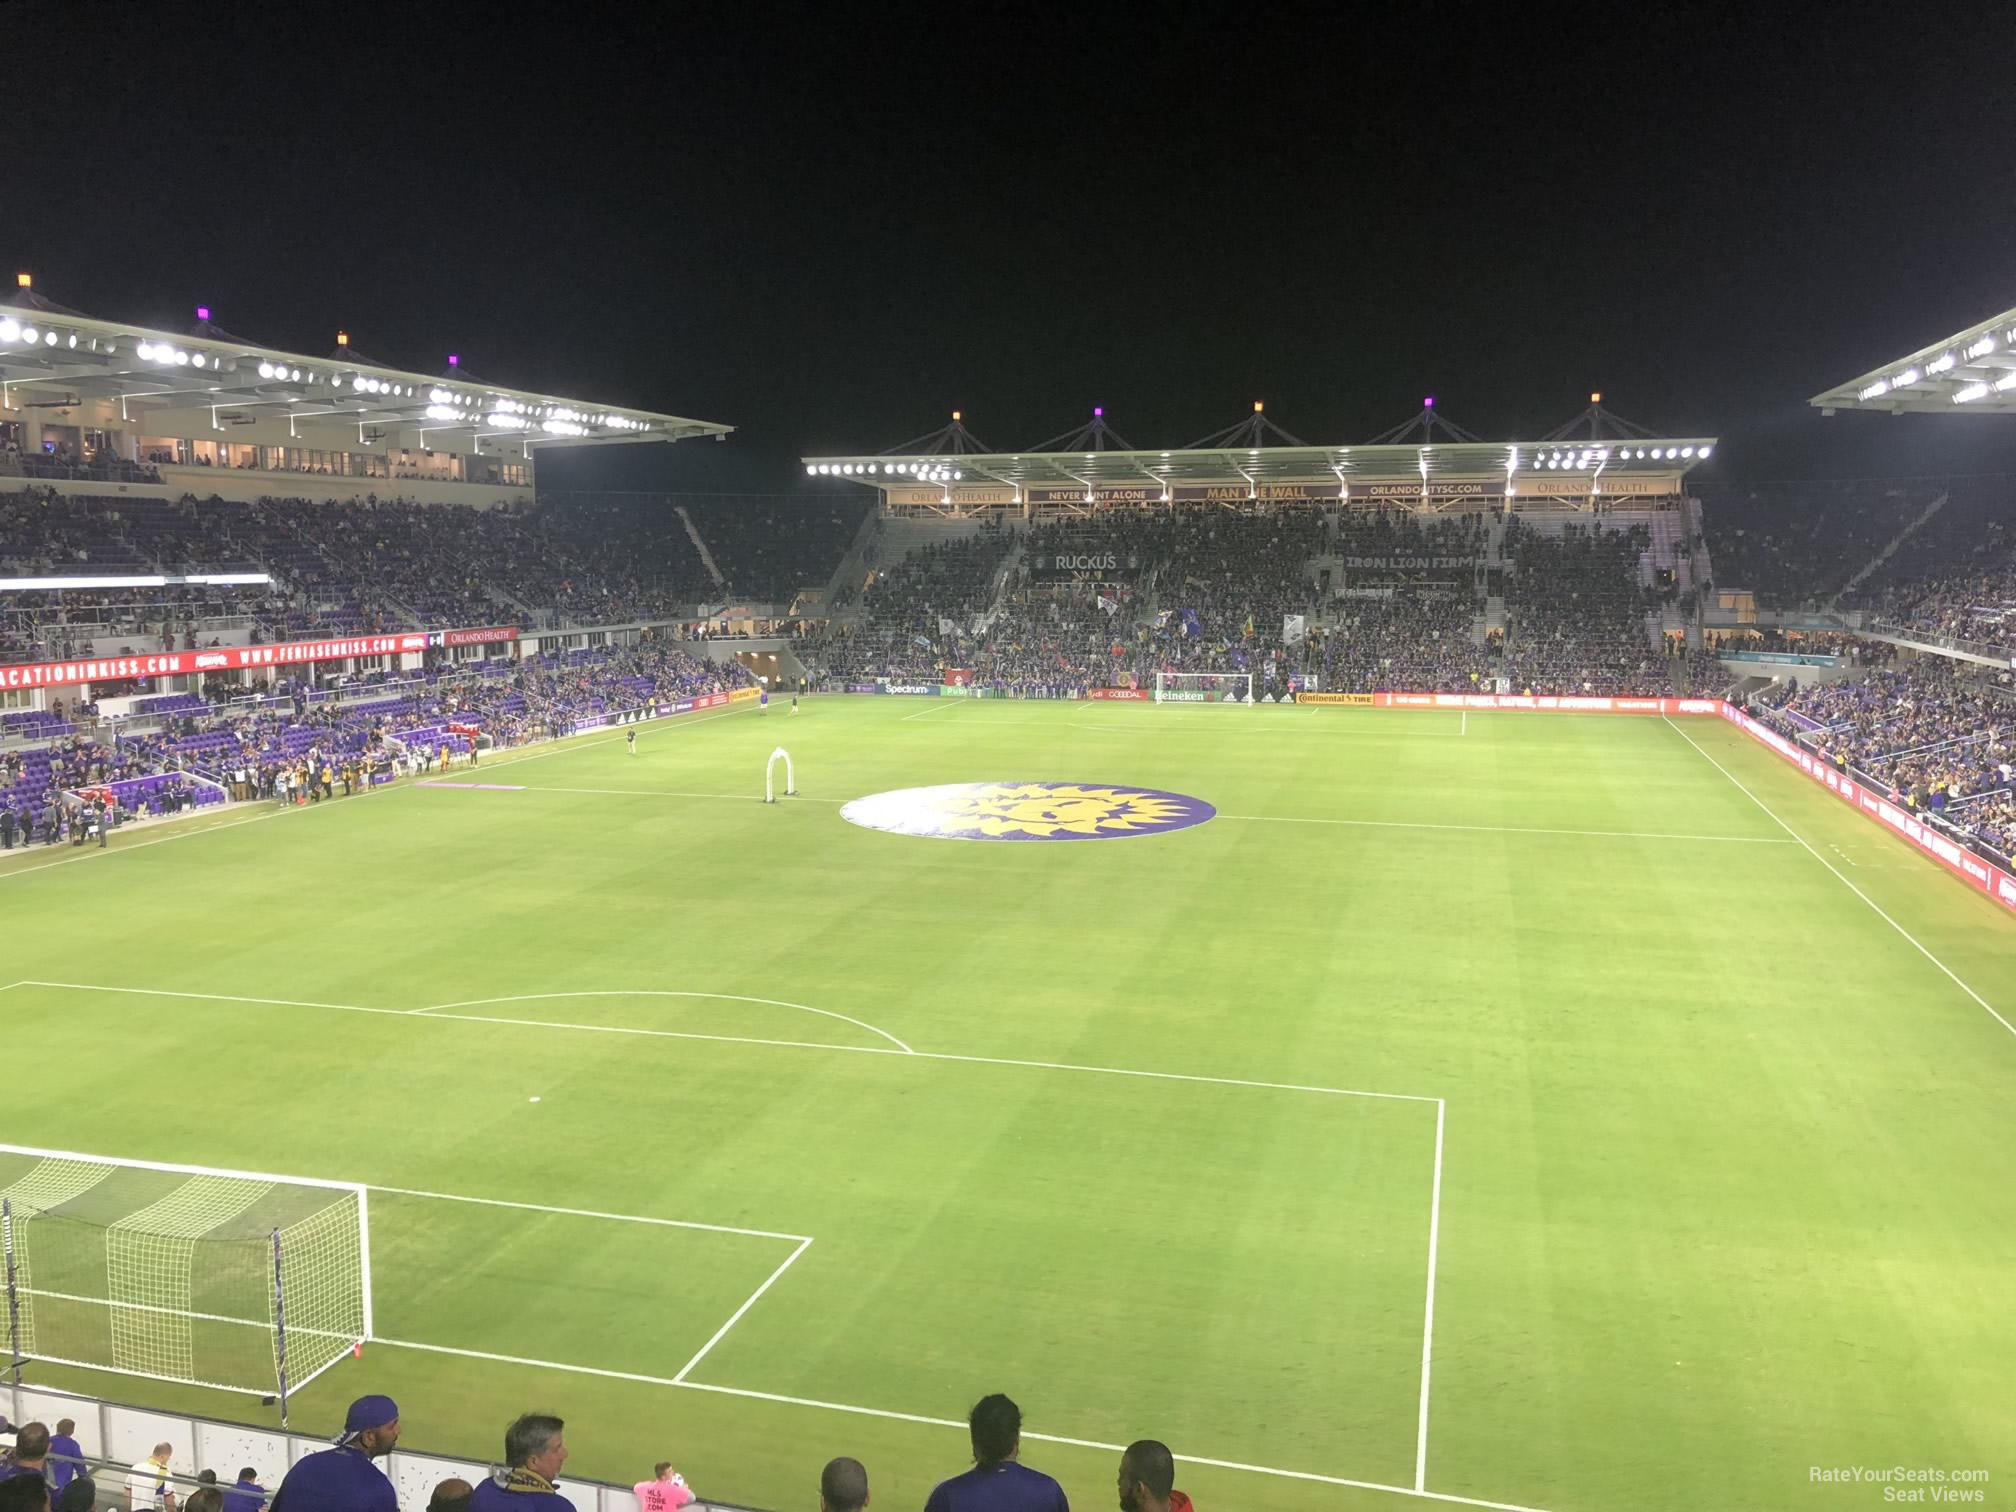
{"points": [[1027, 811]]}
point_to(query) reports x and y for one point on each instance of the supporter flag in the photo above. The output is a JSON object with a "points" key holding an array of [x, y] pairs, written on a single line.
{"points": [[1192, 625], [1247, 628], [946, 627], [1293, 629], [1162, 618], [923, 642], [1110, 605]]}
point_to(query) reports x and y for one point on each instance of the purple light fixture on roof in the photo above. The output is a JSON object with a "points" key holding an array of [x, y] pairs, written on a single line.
{"points": [[1098, 412], [202, 312], [1429, 402], [453, 360]]}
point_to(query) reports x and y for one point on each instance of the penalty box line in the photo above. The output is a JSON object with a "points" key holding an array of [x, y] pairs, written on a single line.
{"points": [[803, 1242]]}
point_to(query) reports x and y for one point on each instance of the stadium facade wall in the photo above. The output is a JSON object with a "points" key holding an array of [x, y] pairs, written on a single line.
{"points": [[246, 485]]}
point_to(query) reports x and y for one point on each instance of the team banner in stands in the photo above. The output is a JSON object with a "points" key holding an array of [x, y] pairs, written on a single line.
{"points": [[1974, 870], [241, 658], [1557, 702], [1431, 488], [490, 635]]}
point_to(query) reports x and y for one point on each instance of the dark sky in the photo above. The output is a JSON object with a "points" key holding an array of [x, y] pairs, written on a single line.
{"points": [[830, 226]]}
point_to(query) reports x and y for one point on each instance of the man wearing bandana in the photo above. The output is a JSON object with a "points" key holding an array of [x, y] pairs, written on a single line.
{"points": [[343, 1479]]}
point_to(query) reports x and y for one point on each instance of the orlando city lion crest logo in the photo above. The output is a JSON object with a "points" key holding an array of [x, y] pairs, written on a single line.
{"points": [[1027, 811]]}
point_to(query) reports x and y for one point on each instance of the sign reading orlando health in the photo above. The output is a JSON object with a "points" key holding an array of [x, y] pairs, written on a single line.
{"points": [[1027, 811]]}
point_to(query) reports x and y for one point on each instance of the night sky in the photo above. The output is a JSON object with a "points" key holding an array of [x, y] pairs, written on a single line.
{"points": [[831, 226]]}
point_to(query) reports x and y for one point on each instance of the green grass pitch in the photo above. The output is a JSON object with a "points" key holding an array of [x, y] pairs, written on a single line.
{"points": [[1710, 1160]]}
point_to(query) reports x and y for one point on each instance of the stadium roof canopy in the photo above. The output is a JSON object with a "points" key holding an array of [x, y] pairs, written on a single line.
{"points": [[1262, 465], [1971, 372], [49, 353]]}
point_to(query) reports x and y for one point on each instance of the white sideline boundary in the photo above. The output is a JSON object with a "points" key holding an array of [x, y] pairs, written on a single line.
{"points": [[1843, 879]]}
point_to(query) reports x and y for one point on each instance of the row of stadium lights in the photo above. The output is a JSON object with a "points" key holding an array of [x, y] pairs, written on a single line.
{"points": [[924, 472], [1603, 454], [1945, 362], [507, 414]]}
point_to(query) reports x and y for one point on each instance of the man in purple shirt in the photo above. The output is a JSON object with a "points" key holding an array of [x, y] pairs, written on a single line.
{"points": [[997, 1482], [343, 1479], [31, 1453], [66, 1457]]}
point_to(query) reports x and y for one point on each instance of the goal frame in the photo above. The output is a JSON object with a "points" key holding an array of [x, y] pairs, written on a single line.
{"points": [[286, 1387], [1170, 683]]}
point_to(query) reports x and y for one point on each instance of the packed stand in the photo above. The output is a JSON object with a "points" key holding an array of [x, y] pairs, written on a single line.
{"points": [[1937, 734], [1403, 613], [1796, 545], [771, 550], [1954, 578], [1577, 613]]}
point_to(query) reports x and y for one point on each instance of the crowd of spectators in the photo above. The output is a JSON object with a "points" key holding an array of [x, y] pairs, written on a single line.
{"points": [[300, 744], [770, 550], [1796, 545], [1578, 612], [947, 581], [47, 1472], [1938, 735]]}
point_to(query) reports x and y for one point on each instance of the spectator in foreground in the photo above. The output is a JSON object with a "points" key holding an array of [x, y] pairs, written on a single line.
{"points": [[666, 1491], [205, 1499], [246, 1495], [24, 1493], [31, 1453], [147, 1482], [343, 1479], [843, 1486], [452, 1495], [534, 1451], [1148, 1479], [997, 1482], [81, 1495], [66, 1457]]}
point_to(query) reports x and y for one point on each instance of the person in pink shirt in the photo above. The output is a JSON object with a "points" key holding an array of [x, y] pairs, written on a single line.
{"points": [[667, 1493]]}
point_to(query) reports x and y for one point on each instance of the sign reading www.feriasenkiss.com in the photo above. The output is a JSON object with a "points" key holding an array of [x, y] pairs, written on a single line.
{"points": [[1027, 811]]}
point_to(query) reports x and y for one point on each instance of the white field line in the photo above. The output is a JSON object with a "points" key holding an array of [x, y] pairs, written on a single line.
{"points": [[736, 1316], [937, 1422], [1428, 1316], [567, 1212], [725, 997], [941, 705], [1842, 877], [1507, 829], [667, 793], [920, 1055], [1464, 728], [1475, 829]]}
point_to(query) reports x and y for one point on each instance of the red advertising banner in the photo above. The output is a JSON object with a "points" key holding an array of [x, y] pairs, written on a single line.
{"points": [[240, 658], [1137, 695], [1554, 702], [959, 677], [1976, 872]]}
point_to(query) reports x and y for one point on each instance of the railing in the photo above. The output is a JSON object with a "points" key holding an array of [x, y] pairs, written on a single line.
{"points": [[2002, 653], [114, 1436]]}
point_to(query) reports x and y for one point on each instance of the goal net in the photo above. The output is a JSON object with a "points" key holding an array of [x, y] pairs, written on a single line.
{"points": [[182, 1273], [1204, 687]]}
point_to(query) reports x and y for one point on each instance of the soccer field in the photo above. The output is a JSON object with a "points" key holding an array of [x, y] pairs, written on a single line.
{"points": [[1572, 1112]]}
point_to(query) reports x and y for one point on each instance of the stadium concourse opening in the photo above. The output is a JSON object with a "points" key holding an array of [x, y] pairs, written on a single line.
{"points": [[1386, 1102]]}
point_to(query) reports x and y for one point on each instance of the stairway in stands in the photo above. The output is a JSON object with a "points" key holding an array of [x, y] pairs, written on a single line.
{"points": [[1890, 549], [693, 534]]}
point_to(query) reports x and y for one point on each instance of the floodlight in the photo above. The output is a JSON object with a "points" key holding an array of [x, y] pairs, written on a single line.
{"points": [[9, 330], [28, 334], [1970, 393]]}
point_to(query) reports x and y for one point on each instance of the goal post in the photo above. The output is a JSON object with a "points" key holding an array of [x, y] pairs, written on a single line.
{"points": [[770, 776], [1204, 687], [237, 1280]]}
